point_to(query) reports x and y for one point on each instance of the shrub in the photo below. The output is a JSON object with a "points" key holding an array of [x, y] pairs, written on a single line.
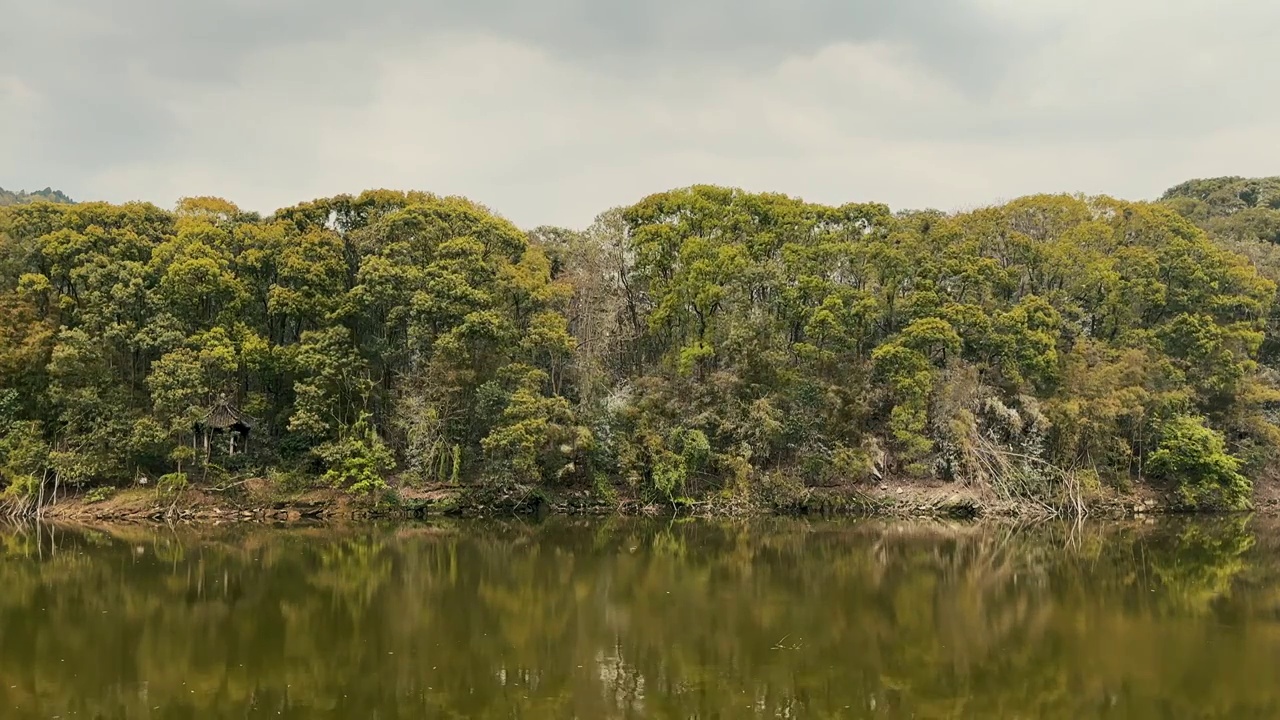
{"points": [[289, 480], [23, 457], [171, 483], [357, 460], [99, 494], [1195, 458], [21, 487]]}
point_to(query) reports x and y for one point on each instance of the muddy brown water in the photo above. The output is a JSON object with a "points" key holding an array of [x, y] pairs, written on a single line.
{"points": [[632, 618]]}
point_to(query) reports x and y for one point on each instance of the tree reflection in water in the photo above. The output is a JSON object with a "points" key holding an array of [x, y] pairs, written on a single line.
{"points": [[631, 619]]}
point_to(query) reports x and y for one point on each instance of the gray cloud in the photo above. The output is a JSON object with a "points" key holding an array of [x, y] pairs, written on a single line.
{"points": [[207, 40], [552, 110]]}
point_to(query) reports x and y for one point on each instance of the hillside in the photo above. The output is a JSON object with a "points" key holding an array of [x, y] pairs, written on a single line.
{"points": [[702, 342], [10, 197], [1231, 207]]}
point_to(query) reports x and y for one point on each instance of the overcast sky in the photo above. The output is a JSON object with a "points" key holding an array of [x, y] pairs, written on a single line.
{"points": [[550, 111]]}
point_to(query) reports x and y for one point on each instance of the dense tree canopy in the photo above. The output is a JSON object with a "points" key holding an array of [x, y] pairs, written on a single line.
{"points": [[704, 339], [1231, 207], [1242, 215]]}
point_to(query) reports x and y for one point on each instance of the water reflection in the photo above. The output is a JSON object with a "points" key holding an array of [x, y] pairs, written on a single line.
{"points": [[640, 619]]}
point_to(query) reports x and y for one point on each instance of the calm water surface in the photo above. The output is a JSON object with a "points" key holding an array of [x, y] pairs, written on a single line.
{"points": [[642, 619]]}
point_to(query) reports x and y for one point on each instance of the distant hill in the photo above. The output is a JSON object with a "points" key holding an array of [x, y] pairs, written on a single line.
{"points": [[1232, 208], [10, 197]]}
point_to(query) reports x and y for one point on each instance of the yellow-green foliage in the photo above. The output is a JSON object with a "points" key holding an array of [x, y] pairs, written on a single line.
{"points": [[700, 339], [1194, 458]]}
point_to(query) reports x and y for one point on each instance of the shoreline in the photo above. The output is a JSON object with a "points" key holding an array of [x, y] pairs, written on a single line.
{"points": [[257, 501]]}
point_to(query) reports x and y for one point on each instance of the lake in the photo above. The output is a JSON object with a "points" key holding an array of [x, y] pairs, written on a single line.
{"points": [[634, 618]]}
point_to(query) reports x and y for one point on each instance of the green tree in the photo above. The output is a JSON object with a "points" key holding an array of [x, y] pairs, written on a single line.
{"points": [[1194, 457]]}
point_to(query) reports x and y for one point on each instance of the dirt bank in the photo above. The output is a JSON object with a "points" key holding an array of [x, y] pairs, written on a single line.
{"points": [[259, 501]]}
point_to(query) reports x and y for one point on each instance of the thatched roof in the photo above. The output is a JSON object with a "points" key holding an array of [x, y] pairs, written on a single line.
{"points": [[223, 416]]}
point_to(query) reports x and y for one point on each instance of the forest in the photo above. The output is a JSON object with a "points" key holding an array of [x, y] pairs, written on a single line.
{"points": [[703, 341]]}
